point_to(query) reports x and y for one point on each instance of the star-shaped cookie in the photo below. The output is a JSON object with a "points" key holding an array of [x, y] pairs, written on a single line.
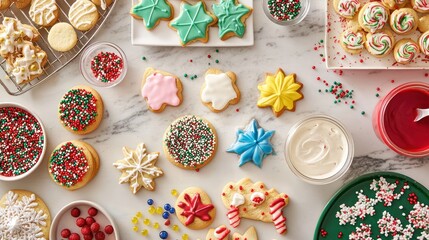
{"points": [[138, 168], [252, 144], [193, 23], [152, 12], [231, 17], [280, 92], [250, 234]]}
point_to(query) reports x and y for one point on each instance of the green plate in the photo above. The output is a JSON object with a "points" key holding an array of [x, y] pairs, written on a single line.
{"points": [[410, 198]]}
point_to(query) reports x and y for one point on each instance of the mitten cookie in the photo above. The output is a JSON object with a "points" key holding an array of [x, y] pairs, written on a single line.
{"points": [[24, 215], [138, 168], [160, 89], [194, 209], [73, 164], [245, 199], [219, 90]]}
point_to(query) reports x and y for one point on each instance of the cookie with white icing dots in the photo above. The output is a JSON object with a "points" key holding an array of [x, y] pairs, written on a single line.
{"points": [[245, 199], [44, 12], [81, 110], [62, 37], [138, 168], [194, 209], [190, 142], [219, 90], [160, 89], [73, 164], [24, 215], [152, 12], [104, 4], [83, 15]]}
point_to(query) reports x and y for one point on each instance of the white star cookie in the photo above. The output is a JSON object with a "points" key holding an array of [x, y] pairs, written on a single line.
{"points": [[138, 168], [219, 90]]}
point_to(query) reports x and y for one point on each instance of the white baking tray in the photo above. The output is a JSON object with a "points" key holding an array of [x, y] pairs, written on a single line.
{"points": [[337, 58], [162, 35]]}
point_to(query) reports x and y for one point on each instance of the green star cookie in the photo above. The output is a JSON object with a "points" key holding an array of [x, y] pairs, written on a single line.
{"points": [[152, 11], [231, 17], [193, 22]]}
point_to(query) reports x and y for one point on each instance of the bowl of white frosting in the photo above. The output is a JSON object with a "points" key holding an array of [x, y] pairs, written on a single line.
{"points": [[319, 149]]}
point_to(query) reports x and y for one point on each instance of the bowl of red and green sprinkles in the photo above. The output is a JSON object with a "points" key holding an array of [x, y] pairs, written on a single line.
{"points": [[286, 12], [103, 64], [22, 142]]}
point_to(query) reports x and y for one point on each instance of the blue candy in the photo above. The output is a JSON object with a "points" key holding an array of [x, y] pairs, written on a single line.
{"points": [[163, 235], [150, 201], [165, 215], [172, 210], [167, 207]]}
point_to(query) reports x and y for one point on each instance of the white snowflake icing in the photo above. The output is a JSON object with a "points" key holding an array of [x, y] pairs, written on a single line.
{"points": [[385, 192], [19, 218], [362, 233], [419, 216], [138, 168], [389, 225], [363, 207]]}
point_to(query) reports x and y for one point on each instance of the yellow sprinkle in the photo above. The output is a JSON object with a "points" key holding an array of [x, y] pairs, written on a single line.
{"points": [[145, 232], [159, 210], [134, 220], [185, 237], [139, 214], [151, 210], [156, 225], [135, 228], [174, 192], [146, 221], [175, 228]]}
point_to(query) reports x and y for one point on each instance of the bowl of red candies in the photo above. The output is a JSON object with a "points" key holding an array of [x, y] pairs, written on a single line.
{"points": [[83, 220], [103, 64]]}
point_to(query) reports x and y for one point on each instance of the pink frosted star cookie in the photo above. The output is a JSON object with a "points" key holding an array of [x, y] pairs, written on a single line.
{"points": [[160, 89]]}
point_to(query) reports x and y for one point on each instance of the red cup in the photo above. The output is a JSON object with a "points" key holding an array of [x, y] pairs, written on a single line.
{"points": [[393, 120]]}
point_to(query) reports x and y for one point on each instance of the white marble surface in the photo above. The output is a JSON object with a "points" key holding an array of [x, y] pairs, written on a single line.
{"points": [[128, 122]]}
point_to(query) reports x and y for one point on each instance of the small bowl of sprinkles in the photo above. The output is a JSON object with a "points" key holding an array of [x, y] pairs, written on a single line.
{"points": [[286, 12], [23, 142], [103, 64]]}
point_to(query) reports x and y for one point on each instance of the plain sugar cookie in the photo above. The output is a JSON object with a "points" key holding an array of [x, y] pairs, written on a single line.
{"points": [[62, 37], [83, 15]]}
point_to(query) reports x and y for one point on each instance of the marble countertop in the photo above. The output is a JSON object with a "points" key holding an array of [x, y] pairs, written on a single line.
{"points": [[128, 122]]}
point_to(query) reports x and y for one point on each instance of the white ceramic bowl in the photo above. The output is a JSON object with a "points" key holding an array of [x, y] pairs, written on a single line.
{"points": [[90, 52], [39, 161], [63, 220]]}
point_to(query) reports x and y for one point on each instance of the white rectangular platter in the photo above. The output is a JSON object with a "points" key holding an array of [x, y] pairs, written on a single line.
{"points": [[337, 58], [162, 35]]}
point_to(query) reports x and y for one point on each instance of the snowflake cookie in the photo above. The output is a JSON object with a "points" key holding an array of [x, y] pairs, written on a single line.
{"points": [[219, 90], [280, 92], [138, 168], [160, 89], [23, 215], [152, 12]]}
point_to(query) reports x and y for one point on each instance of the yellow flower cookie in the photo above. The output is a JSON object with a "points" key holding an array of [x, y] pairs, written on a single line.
{"points": [[280, 92]]}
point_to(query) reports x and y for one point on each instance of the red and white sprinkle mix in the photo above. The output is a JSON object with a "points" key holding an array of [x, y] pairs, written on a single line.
{"points": [[389, 225], [385, 191], [363, 207], [107, 66], [362, 233]]}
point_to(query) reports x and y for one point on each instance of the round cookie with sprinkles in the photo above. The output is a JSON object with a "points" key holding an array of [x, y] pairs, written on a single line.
{"points": [[81, 110], [190, 142], [22, 142], [73, 164]]}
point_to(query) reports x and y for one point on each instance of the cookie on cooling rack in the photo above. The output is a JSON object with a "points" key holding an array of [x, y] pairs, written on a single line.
{"points": [[103, 3], [21, 3], [4, 4], [62, 37], [83, 15], [13, 35], [28, 64], [44, 12]]}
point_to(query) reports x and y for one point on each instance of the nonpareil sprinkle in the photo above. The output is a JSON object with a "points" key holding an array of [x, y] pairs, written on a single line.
{"points": [[284, 10], [107, 66]]}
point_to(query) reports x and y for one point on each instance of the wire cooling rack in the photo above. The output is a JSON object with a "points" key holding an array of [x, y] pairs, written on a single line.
{"points": [[56, 60]]}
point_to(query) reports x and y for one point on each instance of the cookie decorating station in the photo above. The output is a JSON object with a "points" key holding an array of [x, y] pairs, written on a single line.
{"points": [[214, 119]]}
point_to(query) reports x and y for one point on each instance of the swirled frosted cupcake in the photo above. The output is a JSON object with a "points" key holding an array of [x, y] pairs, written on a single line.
{"points": [[373, 16], [380, 44], [394, 4], [406, 50], [347, 8], [424, 43], [420, 5], [352, 41], [404, 21]]}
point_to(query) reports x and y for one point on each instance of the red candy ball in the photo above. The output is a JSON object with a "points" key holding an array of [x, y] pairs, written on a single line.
{"points": [[90, 220], [108, 229], [95, 227], [100, 236], [74, 236], [75, 212], [87, 237], [80, 222], [65, 233], [85, 230], [92, 211]]}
